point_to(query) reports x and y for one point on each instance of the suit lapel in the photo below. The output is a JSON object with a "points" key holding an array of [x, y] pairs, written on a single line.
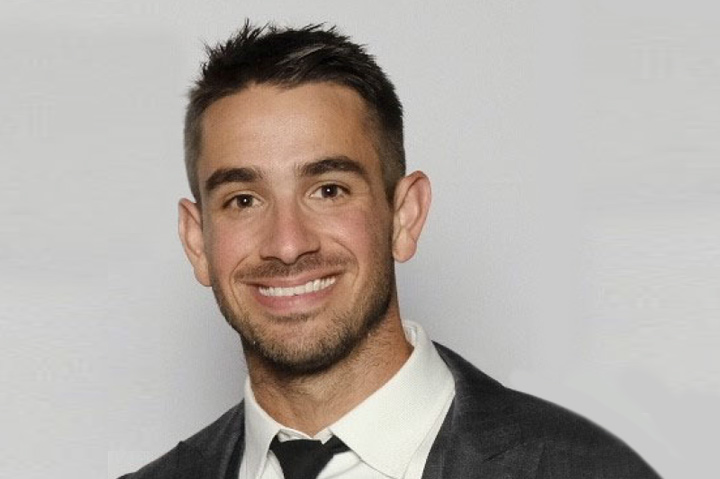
{"points": [[215, 453], [476, 429]]}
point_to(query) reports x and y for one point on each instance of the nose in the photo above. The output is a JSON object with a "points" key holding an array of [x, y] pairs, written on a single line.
{"points": [[290, 234]]}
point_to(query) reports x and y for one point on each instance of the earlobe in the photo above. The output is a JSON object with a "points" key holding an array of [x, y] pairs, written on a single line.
{"points": [[191, 236], [411, 203]]}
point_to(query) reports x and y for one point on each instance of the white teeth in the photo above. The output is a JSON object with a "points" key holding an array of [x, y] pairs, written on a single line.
{"points": [[309, 287]]}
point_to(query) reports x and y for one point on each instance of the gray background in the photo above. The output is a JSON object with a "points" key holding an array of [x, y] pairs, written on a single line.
{"points": [[571, 251]]}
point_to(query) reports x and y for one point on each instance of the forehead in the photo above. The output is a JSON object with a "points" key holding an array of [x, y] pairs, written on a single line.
{"points": [[272, 127]]}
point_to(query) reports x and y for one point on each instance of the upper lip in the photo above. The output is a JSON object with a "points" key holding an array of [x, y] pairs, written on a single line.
{"points": [[291, 281]]}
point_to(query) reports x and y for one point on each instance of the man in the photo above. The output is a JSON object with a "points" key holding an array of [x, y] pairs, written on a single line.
{"points": [[294, 153]]}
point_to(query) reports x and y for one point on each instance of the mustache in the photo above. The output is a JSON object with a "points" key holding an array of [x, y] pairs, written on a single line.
{"points": [[274, 268]]}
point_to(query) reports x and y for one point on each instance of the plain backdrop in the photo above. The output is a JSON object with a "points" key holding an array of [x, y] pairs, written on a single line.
{"points": [[571, 251]]}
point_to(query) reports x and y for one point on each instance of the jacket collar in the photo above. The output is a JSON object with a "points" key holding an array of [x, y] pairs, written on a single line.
{"points": [[479, 413], [216, 451], [478, 426]]}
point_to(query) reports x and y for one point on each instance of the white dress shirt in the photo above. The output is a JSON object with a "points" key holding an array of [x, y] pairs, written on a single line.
{"points": [[389, 434]]}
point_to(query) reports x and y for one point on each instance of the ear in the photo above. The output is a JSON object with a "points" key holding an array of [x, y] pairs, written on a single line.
{"points": [[191, 236], [411, 206]]}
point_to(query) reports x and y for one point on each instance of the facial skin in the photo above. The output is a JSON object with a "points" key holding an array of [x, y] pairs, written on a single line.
{"points": [[295, 234]]}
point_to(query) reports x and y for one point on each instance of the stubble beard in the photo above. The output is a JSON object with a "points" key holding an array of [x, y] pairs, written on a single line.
{"points": [[342, 334]]}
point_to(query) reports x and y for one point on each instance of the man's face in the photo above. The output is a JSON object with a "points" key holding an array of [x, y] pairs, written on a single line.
{"points": [[296, 227]]}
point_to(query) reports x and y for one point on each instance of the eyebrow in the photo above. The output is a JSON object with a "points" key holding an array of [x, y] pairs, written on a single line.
{"points": [[231, 175], [331, 164], [328, 164]]}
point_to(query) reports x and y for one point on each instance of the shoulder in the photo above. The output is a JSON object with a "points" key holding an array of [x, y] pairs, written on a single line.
{"points": [[211, 448], [507, 426]]}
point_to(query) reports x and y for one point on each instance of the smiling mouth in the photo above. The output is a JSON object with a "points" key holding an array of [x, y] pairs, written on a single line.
{"points": [[309, 287]]}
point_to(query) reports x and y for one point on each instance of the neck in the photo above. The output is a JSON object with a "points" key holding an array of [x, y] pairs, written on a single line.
{"points": [[312, 402]]}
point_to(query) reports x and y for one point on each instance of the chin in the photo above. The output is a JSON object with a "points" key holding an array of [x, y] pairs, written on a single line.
{"points": [[301, 355], [307, 344]]}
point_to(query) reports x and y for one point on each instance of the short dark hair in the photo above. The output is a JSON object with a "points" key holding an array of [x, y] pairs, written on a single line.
{"points": [[288, 57]]}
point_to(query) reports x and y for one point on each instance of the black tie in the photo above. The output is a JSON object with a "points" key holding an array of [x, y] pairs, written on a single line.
{"points": [[305, 458]]}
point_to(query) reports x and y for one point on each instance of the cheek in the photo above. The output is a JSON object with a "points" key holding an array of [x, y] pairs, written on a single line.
{"points": [[228, 247], [361, 232]]}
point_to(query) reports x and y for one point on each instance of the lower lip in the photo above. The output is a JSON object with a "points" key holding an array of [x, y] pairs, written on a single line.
{"points": [[293, 304]]}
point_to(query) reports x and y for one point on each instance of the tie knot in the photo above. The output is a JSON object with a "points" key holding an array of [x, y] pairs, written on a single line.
{"points": [[305, 458]]}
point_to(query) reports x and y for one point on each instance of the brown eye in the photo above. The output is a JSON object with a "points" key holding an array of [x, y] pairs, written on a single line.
{"points": [[330, 191], [244, 201]]}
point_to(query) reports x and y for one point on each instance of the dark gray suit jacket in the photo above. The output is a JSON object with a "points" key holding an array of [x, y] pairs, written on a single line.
{"points": [[490, 432]]}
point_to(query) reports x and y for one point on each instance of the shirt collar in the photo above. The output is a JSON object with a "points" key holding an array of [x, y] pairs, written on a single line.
{"points": [[260, 429], [386, 429]]}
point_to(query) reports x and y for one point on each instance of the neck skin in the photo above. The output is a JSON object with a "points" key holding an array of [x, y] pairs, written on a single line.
{"points": [[313, 402]]}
